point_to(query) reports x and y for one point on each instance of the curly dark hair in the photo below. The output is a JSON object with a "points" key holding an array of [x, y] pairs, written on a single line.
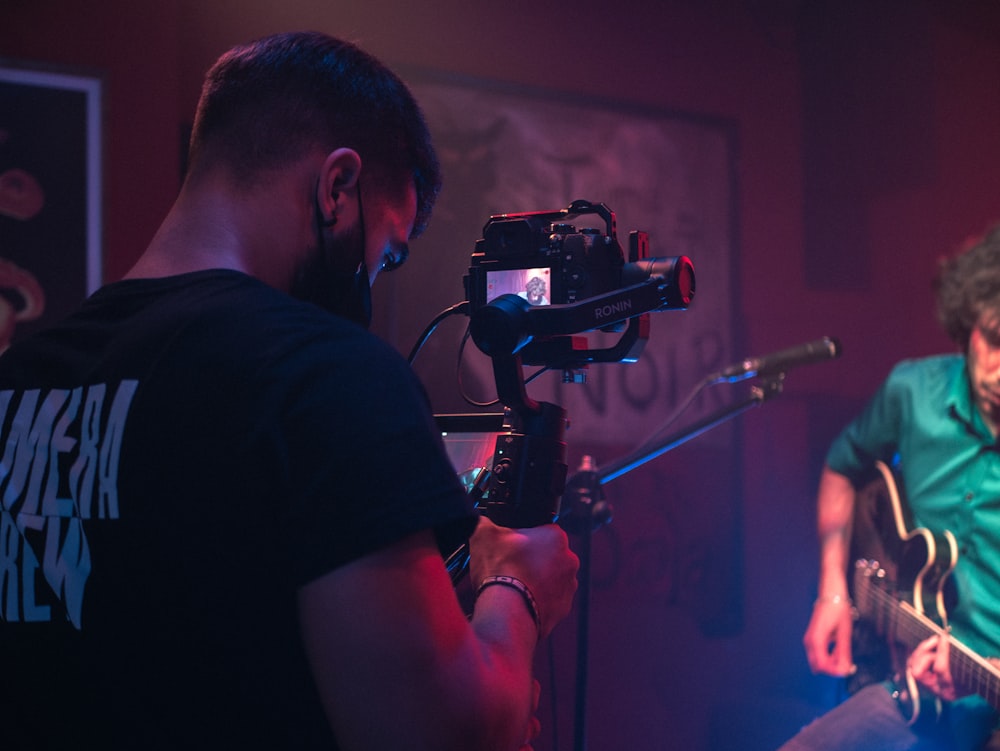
{"points": [[267, 103], [968, 286]]}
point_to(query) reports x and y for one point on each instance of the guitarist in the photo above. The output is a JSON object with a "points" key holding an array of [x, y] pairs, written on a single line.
{"points": [[939, 418]]}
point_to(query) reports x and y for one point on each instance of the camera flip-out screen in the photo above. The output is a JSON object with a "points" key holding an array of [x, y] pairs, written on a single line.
{"points": [[470, 440], [532, 284]]}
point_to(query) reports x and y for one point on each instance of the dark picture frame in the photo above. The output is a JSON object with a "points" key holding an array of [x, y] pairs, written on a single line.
{"points": [[51, 194]]}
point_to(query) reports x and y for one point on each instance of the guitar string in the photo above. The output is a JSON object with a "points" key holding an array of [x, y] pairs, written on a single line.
{"points": [[970, 671]]}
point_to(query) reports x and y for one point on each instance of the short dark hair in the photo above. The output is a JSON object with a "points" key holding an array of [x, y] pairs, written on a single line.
{"points": [[267, 103], [968, 287]]}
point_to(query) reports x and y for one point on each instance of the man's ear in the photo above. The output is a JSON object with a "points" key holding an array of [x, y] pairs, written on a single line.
{"points": [[337, 186]]}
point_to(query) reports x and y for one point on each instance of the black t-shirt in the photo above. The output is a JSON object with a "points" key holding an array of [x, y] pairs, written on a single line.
{"points": [[175, 460]]}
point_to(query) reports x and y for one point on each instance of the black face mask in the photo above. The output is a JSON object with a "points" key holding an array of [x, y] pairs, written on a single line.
{"points": [[335, 277], [354, 300]]}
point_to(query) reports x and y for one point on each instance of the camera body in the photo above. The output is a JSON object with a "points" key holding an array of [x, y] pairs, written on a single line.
{"points": [[542, 257]]}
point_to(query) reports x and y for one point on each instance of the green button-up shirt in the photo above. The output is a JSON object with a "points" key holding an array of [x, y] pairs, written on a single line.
{"points": [[924, 416]]}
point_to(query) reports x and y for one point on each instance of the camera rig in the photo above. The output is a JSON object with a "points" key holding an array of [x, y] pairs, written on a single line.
{"points": [[591, 287]]}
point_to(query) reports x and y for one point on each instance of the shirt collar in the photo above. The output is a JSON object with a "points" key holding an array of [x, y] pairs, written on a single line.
{"points": [[961, 405]]}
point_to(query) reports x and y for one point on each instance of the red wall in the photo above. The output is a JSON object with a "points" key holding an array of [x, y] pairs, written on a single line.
{"points": [[135, 47], [921, 111]]}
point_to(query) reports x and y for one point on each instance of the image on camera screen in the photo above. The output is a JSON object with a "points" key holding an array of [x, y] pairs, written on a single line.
{"points": [[530, 284]]}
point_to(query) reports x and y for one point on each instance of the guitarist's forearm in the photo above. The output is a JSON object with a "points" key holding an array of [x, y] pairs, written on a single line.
{"points": [[835, 513]]}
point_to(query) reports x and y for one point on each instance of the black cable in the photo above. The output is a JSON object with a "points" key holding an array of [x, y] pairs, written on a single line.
{"points": [[456, 309]]}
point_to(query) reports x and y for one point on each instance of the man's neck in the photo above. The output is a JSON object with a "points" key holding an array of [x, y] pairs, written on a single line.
{"points": [[210, 227]]}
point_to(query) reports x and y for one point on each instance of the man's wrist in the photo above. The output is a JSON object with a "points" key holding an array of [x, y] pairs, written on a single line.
{"points": [[834, 599], [512, 582]]}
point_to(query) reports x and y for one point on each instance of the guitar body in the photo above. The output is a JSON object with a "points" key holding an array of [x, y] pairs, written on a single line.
{"points": [[899, 566], [923, 559]]}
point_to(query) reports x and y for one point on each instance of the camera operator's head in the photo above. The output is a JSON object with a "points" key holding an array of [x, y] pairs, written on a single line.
{"points": [[269, 102], [322, 151]]}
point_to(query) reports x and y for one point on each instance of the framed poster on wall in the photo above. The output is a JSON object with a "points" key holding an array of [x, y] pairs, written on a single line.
{"points": [[50, 195], [508, 149]]}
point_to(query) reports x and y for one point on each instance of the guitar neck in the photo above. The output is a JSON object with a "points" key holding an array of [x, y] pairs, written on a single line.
{"points": [[902, 624]]}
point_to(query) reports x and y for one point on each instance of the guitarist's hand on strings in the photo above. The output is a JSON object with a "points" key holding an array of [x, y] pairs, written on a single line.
{"points": [[827, 639]]}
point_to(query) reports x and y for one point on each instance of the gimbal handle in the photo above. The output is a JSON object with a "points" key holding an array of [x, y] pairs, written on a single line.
{"points": [[528, 472]]}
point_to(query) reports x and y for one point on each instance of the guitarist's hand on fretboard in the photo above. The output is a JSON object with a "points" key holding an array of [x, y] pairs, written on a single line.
{"points": [[930, 666]]}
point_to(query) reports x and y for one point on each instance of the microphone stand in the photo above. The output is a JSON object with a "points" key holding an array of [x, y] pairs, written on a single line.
{"points": [[584, 510]]}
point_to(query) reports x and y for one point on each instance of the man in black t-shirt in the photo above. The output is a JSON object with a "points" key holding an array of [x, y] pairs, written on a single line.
{"points": [[223, 503]]}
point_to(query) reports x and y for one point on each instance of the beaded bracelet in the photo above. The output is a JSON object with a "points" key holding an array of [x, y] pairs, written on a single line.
{"points": [[520, 586]]}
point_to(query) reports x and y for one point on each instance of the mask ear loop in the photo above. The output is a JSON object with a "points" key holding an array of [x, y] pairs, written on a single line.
{"points": [[362, 280], [322, 223], [362, 266], [355, 301]]}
